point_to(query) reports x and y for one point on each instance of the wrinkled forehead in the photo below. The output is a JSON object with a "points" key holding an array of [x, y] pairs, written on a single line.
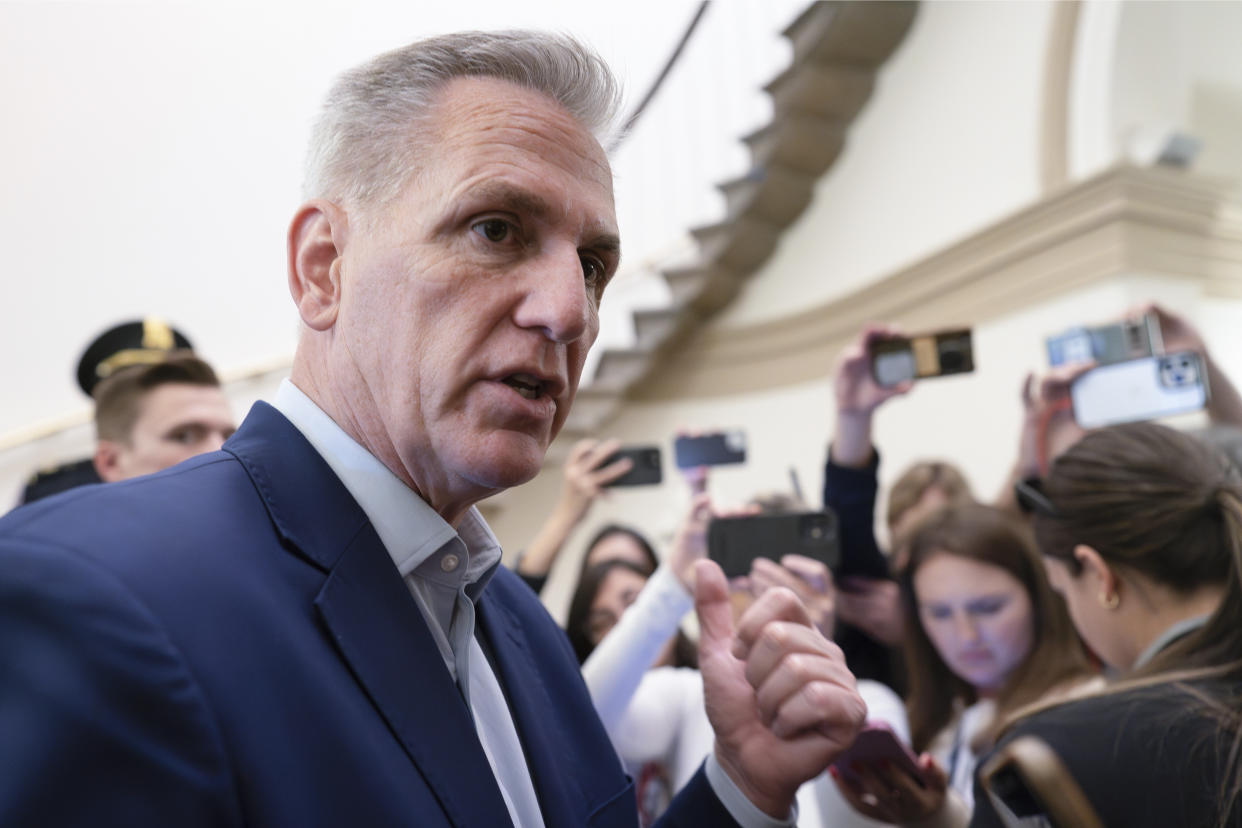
{"points": [[481, 116]]}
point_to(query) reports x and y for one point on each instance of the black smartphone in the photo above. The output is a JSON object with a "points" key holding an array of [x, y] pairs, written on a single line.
{"points": [[718, 449], [901, 359], [734, 542], [1027, 784], [646, 470]]}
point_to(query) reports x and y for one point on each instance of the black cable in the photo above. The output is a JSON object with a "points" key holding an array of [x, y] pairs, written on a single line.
{"points": [[659, 81]]}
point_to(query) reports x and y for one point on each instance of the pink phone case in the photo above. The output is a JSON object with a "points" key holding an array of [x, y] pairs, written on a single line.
{"points": [[877, 743]]}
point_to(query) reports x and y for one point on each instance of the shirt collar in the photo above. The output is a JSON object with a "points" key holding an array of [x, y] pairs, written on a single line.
{"points": [[410, 530], [1181, 628]]}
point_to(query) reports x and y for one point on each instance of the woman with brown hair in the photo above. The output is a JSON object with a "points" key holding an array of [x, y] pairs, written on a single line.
{"points": [[1141, 527], [986, 637]]}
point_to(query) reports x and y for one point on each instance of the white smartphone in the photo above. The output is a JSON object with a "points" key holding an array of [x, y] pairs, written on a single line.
{"points": [[1140, 389]]}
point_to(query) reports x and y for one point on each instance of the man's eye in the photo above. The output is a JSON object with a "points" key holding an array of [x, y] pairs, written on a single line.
{"points": [[494, 230], [593, 271], [186, 436]]}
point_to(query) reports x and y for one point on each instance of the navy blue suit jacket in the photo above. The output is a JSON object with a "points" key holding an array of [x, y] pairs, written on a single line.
{"points": [[228, 643]]}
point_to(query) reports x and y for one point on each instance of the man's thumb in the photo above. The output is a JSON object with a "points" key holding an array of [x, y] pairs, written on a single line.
{"points": [[711, 602]]}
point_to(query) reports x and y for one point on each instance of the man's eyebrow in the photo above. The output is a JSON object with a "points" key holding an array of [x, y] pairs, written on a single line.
{"points": [[609, 243], [515, 198]]}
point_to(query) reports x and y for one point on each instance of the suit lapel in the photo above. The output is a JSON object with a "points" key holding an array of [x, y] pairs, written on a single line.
{"points": [[560, 798], [372, 618]]}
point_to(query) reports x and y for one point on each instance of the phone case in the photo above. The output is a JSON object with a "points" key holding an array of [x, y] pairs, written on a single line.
{"points": [[647, 469], [735, 542], [876, 743], [894, 361], [1107, 344], [710, 449], [1140, 389]]}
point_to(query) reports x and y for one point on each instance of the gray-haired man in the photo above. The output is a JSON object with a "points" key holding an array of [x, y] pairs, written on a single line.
{"points": [[311, 627]]}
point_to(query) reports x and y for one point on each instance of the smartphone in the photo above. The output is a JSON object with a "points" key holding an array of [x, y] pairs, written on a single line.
{"points": [[898, 360], [877, 743], [735, 542], [718, 449], [1107, 344], [646, 471], [1140, 389], [1027, 784]]}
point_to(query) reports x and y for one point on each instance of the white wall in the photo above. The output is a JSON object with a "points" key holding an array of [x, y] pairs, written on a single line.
{"points": [[1177, 66], [947, 145]]}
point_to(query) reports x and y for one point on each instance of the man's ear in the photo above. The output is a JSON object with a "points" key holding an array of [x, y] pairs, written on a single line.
{"points": [[107, 461], [1097, 568], [316, 240]]}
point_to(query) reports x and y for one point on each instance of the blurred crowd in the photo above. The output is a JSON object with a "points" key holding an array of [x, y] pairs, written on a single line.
{"points": [[1092, 603]]}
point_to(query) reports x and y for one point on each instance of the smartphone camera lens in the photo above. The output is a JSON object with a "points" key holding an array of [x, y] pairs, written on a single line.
{"points": [[814, 528], [1177, 372]]}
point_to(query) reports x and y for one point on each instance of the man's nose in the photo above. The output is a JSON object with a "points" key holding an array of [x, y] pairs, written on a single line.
{"points": [[557, 300], [213, 442]]}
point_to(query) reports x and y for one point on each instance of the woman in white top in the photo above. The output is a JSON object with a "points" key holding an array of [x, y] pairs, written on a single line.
{"points": [[986, 636]]}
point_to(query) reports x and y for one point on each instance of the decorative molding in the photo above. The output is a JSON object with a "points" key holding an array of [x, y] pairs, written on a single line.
{"points": [[1058, 70], [1126, 219], [838, 47]]}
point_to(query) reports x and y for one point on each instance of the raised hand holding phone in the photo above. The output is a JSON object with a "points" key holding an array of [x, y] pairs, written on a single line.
{"points": [[858, 395]]}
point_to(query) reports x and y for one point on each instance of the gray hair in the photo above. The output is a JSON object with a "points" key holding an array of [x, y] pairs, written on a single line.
{"points": [[363, 147]]}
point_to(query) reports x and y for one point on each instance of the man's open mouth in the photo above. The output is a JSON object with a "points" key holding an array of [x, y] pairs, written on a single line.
{"points": [[529, 387]]}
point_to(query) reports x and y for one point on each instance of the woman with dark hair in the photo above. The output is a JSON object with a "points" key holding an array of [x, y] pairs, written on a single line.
{"points": [[617, 542], [604, 592], [1141, 528], [986, 636]]}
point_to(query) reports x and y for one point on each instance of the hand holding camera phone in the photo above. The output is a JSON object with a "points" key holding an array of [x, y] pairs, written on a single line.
{"points": [[877, 744], [902, 359], [645, 466]]}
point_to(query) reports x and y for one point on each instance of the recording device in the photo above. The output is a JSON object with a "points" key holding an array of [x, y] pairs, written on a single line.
{"points": [[898, 360], [646, 469], [877, 744], [1107, 344], [1140, 389], [1027, 784], [734, 542], [717, 449]]}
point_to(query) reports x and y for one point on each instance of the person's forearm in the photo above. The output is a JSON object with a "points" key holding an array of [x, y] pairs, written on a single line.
{"points": [[851, 445], [1225, 406], [542, 552], [615, 669]]}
